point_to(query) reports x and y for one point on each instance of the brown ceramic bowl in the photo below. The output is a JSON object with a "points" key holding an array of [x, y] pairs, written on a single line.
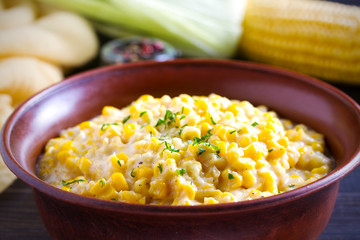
{"points": [[299, 214]]}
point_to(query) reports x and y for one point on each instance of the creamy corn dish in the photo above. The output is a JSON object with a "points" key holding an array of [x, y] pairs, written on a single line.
{"points": [[186, 150]]}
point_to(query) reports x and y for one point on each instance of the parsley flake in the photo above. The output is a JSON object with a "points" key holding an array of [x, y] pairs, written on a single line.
{"points": [[254, 124], [126, 119], [102, 182], [232, 132], [182, 109], [118, 162], [170, 148], [201, 151], [270, 150], [142, 113], [212, 120], [168, 119], [160, 167], [107, 124], [292, 185], [230, 176], [181, 171], [182, 128], [132, 173], [64, 183]]}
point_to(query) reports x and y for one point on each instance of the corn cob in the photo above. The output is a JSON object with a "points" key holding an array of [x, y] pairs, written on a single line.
{"points": [[318, 38]]}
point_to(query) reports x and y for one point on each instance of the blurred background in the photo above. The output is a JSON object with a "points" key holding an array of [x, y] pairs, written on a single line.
{"points": [[42, 42]]}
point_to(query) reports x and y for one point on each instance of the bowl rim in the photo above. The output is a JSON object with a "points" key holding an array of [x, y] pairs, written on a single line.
{"points": [[147, 209]]}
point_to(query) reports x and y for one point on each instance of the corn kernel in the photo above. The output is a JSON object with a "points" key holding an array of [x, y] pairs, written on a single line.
{"points": [[230, 180], [210, 200], [85, 125], [184, 189], [227, 197], [318, 146], [118, 181], [269, 183], [246, 140], [221, 132], [142, 186], [134, 109], [236, 160], [158, 189], [98, 187], [145, 172], [205, 127], [223, 148], [129, 130], [284, 141], [109, 110], [189, 133], [151, 130], [62, 156], [146, 97], [248, 179], [67, 146], [234, 108], [320, 170], [65, 188], [84, 164], [118, 161], [202, 106], [186, 98], [132, 197], [266, 135], [253, 151]]}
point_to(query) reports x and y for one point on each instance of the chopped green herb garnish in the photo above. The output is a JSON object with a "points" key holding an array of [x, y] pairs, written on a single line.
{"points": [[170, 148], [102, 181], [231, 176], [118, 162], [239, 130], [126, 119], [292, 185], [181, 171], [64, 183], [216, 148], [203, 139], [270, 150], [212, 120], [232, 132], [182, 117], [182, 110], [107, 124], [182, 128], [113, 199], [142, 113], [169, 118], [132, 173], [254, 124], [160, 167], [201, 151]]}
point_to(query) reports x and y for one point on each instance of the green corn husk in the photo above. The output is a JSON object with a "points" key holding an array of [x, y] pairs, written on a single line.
{"points": [[199, 28]]}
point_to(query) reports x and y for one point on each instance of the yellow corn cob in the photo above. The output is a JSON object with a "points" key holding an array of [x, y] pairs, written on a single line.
{"points": [[318, 38]]}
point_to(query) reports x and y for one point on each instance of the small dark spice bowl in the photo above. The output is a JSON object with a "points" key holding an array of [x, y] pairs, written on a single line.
{"points": [[299, 214]]}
